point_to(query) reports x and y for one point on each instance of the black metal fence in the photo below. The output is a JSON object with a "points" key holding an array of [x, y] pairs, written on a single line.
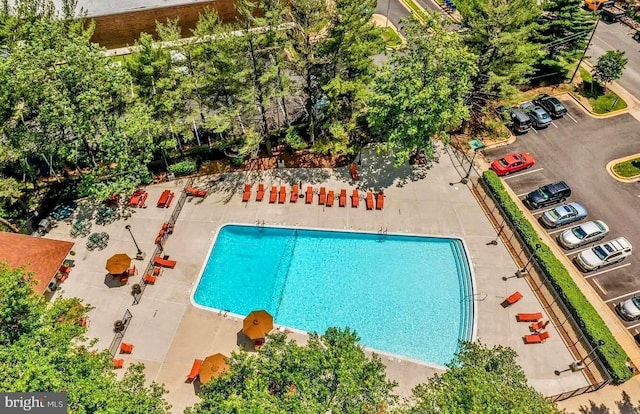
{"points": [[139, 288], [120, 330]]}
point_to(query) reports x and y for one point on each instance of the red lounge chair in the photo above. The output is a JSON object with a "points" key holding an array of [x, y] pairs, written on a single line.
{"points": [[117, 363], [247, 193], [260, 194], [308, 198], [170, 199], [536, 338], [322, 197], [355, 199], [143, 199], [124, 279], [273, 195], [343, 198], [369, 200], [258, 344], [529, 317], [126, 348], [156, 271], [65, 269], [516, 296], [148, 279], [283, 195], [294, 193], [164, 199], [195, 368], [133, 271], [354, 172], [379, 201], [538, 326], [194, 192], [330, 198], [159, 261]]}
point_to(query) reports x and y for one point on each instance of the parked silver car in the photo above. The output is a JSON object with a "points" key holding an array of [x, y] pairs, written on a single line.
{"points": [[539, 117], [564, 214], [629, 309], [585, 233], [604, 254]]}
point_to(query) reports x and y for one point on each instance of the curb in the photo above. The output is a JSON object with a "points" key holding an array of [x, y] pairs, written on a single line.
{"points": [[625, 180]]}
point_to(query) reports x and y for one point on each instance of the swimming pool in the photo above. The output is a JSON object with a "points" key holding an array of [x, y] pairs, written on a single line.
{"points": [[405, 295]]}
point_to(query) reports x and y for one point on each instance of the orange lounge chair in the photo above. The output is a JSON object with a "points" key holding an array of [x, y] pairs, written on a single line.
{"points": [[516, 296], [379, 201], [159, 261], [150, 280], [132, 271], [355, 199], [308, 198], [283, 195], [538, 326], [369, 200], [117, 363], [170, 199], [294, 193], [124, 279], [164, 199], [156, 270], [343, 198], [529, 317], [194, 192], [273, 195], [260, 194], [536, 338], [330, 198], [195, 368], [126, 348], [354, 172], [322, 197], [247, 193]]}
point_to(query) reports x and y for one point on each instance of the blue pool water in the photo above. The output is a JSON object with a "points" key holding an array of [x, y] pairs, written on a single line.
{"points": [[404, 295]]}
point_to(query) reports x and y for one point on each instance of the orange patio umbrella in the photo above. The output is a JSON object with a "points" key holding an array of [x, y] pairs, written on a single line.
{"points": [[257, 324], [118, 263], [212, 367]]}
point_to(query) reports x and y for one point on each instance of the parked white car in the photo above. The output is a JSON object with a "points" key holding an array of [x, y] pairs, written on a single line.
{"points": [[585, 233], [629, 309], [604, 254]]}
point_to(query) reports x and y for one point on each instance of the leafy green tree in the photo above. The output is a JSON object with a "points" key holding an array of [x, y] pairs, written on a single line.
{"points": [[43, 349], [420, 93], [565, 28], [610, 66], [330, 373], [480, 380], [504, 34]]}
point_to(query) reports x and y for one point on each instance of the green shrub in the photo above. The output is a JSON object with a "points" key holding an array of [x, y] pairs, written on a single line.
{"points": [[611, 354], [237, 161], [183, 168]]}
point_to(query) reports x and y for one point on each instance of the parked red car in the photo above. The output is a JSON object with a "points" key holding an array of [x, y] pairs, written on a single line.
{"points": [[513, 162]]}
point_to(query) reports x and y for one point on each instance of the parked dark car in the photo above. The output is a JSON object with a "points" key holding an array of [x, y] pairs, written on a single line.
{"points": [[515, 119], [551, 104], [547, 195]]}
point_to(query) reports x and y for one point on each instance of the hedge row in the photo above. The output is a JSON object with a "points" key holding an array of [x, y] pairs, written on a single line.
{"points": [[594, 328]]}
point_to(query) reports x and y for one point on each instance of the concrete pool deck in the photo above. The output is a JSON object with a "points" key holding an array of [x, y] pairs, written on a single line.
{"points": [[168, 332]]}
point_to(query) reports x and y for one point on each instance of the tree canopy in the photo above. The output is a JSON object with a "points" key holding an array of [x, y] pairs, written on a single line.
{"points": [[43, 349], [610, 66], [331, 373]]}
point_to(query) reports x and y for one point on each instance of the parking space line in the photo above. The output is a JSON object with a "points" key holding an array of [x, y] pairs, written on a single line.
{"points": [[522, 173], [554, 125], [633, 326], [574, 120], [534, 130], [578, 251], [604, 292], [621, 296], [524, 194], [556, 231], [607, 271]]}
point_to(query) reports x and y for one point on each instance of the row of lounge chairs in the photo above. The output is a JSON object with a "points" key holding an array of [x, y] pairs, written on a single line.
{"points": [[325, 197], [537, 326]]}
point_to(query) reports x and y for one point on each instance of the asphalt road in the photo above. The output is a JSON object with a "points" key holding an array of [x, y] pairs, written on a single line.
{"points": [[618, 36], [397, 11], [576, 149]]}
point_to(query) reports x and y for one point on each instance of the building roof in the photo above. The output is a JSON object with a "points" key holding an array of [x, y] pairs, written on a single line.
{"points": [[41, 256], [108, 7]]}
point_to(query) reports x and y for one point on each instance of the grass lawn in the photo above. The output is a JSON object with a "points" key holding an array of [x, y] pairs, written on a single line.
{"points": [[390, 37], [419, 14], [628, 169], [601, 102]]}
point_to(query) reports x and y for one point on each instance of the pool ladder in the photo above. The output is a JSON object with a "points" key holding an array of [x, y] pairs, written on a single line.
{"points": [[260, 223], [382, 233]]}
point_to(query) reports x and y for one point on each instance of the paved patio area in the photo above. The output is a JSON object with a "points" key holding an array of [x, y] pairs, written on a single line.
{"points": [[168, 332]]}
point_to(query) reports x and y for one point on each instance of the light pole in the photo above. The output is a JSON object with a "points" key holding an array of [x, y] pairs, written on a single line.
{"points": [[523, 271], [579, 365], [584, 52], [388, 7], [139, 253], [475, 145]]}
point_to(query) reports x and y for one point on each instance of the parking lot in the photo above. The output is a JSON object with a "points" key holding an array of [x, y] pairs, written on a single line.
{"points": [[576, 149]]}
